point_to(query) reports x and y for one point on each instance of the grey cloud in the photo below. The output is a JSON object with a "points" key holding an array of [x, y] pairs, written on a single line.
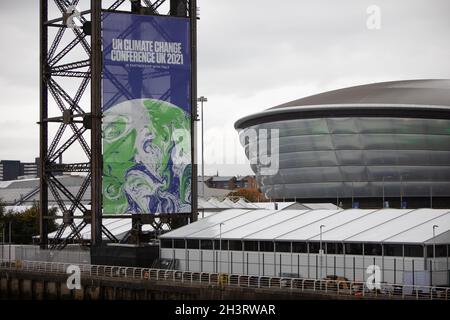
{"points": [[253, 54], [316, 40]]}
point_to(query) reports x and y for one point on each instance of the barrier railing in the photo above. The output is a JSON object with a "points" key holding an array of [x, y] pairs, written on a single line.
{"points": [[326, 286]]}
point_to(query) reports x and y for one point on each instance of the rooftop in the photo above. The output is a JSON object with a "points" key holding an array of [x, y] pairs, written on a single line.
{"points": [[433, 92], [418, 98], [353, 225]]}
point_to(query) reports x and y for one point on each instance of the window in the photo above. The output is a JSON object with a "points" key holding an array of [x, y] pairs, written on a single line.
{"points": [[334, 248], [413, 250], [166, 243], [206, 244], [224, 244], [353, 248], [393, 250], [430, 251], [300, 247], [266, 246], [251, 245], [236, 245], [179, 244], [314, 247], [373, 249], [441, 251], [283, 247], [193, 244]]}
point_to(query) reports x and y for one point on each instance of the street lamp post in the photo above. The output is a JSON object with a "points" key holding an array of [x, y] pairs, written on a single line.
{"points": [[401, 192], [3, 241], [321, 250], [9, 254], [337, 199], [434, 243], [203, 99], [353, 195], [431, 196], [220, 246]]}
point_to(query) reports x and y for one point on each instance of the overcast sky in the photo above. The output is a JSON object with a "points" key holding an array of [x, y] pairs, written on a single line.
{"points": [[253, 54]]}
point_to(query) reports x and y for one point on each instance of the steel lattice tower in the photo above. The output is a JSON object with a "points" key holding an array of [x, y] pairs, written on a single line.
{"points": [[71, 100]]}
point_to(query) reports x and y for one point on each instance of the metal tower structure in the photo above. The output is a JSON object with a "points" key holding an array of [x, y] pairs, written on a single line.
{"points": [[71, 109]]}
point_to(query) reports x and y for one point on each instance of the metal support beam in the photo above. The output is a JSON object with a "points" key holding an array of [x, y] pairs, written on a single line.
{"points": [[96, 111], [194, 184], [74, 54], [43, 130]]}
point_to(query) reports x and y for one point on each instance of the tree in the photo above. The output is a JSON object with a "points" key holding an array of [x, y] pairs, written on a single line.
{"points": [[24, 224], [177, 221], [251, 195]]}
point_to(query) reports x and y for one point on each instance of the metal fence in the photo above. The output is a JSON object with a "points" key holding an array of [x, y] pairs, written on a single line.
{"points": [[34, 253], [407, 271], [347, 289]]}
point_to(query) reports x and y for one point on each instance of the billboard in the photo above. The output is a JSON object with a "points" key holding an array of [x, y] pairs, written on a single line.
{"points": [[147, 158]]}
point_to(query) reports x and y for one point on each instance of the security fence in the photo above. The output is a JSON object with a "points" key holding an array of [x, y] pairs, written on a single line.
{"points": [[349, 289], [397, 270], [34, 253]]}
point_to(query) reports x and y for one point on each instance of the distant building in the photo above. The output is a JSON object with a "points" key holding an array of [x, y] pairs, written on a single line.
{"points": [[207, 192], [230, 182], [218, 182], [370, 146], [25, 192], [13, 169], [247, 182]]}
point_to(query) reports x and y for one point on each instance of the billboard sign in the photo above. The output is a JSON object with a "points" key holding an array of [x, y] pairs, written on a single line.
{"points": [[147, 158]]}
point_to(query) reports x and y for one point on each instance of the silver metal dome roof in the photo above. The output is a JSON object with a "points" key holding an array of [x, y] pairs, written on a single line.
{"points": [[424, 98], [415, 92]]}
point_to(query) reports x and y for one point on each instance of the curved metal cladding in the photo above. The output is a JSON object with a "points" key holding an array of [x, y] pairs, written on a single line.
{"points": [[387, 140]]}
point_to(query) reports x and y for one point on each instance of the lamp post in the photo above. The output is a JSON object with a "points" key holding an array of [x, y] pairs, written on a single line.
{"points": [[3, 241], [321, 250], [220, 246], [434, 243], [431, 196], [337, 200], [353, 195], [203, 99], [401, 190], [9, 254]]}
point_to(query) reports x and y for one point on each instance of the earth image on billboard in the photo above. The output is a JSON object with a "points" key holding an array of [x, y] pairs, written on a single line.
{"points": [[147, 158]]}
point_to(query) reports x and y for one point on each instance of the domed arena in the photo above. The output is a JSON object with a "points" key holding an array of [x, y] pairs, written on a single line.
{"points": [[383, 144]]}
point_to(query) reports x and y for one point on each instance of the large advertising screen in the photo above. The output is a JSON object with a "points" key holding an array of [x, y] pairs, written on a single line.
{"points": [[147, 160]]}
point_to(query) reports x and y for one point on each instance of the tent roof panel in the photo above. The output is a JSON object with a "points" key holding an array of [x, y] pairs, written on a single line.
{"points": [[353, 225], [288, 225], [424, 231], [205, 223], [357, 226], [242, 220], [267, 222], [311, 230], [410, 221]]}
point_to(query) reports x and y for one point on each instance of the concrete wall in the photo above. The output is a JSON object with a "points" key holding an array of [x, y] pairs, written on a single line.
{"points": [[40, 286]]}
